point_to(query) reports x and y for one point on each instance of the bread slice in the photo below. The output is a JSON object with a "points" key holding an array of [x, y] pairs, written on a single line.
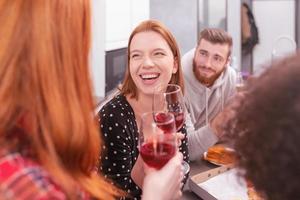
{"points": [[220, 155]]}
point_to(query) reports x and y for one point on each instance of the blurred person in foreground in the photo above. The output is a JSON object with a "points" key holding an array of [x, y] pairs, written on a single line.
{"points": [[48, 135], [265, 131]]}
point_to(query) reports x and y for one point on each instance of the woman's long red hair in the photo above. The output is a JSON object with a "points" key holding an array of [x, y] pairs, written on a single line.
{"points": [[44, 76]]}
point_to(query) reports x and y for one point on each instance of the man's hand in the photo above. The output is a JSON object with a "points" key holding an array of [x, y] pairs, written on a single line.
{"points": [[217, 124]]}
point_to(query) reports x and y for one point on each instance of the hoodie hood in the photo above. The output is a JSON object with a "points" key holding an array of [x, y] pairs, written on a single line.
{"points": [[207, 102]]}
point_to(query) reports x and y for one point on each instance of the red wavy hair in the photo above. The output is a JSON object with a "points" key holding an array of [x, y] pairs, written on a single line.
{"points": [[128, 86], [44, 75]]}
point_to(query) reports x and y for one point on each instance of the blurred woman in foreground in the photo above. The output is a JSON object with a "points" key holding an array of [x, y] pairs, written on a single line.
{"points": [[266, 128], [48, 136]]}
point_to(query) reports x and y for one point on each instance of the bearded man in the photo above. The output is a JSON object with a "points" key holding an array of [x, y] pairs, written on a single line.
{"points": [[209, 84]]}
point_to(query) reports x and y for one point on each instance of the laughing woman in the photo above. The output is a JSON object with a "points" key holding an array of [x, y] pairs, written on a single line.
{"points": [[153, 60]]}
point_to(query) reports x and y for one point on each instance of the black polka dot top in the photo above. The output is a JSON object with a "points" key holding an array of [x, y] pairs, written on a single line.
{"points": [[120, 149]]}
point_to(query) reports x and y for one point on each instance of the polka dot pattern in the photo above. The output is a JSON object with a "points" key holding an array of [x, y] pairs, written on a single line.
{"points": [[120, 134]]}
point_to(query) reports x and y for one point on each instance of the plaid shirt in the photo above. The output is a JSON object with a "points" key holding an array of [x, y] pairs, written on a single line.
{"points": [[23, 179]]}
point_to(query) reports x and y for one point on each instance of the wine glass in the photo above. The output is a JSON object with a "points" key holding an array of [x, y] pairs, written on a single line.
{"points": [[239, 85], [170, 99], [157, 140], [283, 46]]}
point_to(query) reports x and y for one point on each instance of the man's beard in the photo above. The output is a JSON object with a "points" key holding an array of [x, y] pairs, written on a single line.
{"points": [[208, 82]]}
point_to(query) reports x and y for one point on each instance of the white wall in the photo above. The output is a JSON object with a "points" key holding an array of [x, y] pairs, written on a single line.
{"points": [[118, 23], [112, 22], [140, 11], [234, 27], [180, 17], [98, 47], [217, 13], [120, 19], [274, 18]]}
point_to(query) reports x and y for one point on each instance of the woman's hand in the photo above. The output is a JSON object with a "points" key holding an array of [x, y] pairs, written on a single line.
{"points": [[164, 184], [137, 172], [179, 137]]}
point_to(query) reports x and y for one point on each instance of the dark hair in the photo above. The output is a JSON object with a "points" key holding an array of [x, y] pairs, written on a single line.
{"points": [[266, 131], [249, 42], [216, 36]]}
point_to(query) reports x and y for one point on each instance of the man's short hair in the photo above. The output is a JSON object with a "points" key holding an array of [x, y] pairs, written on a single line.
{"points": [[216, 36]]}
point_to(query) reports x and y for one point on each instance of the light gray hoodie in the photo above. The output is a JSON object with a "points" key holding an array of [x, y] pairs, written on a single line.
{"points": [[203, 104]]}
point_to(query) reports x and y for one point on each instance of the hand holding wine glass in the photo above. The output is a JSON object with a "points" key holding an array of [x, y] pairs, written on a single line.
{"points": [[165, 183], [157, 140]]}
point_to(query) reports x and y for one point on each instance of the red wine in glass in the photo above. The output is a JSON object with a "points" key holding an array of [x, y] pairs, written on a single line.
{"points": [[156, 155], [179, 119], [157, 138], [164, 122]]}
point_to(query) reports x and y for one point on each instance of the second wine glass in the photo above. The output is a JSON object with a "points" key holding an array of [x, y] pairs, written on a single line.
{"points": [[170, 99], [240, 83]]}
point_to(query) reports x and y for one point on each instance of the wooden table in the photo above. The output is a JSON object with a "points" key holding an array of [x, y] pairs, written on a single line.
{"points": [[196, 167]]}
